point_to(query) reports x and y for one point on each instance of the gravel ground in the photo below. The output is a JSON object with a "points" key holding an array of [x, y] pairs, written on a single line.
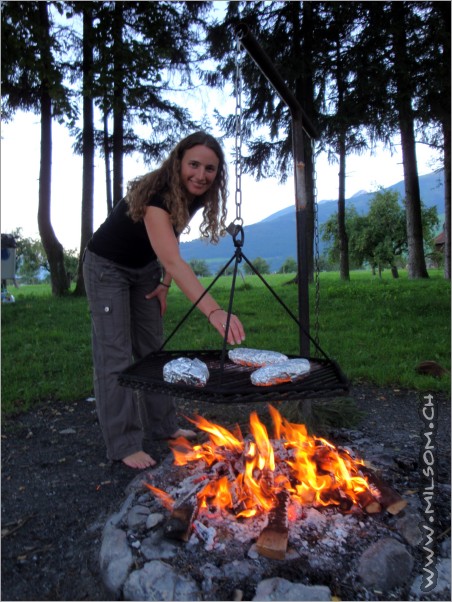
{"points": [[58, 489]]}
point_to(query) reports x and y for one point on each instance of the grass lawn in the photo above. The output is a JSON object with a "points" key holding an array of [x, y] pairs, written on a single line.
{"points": [[377, 329]]}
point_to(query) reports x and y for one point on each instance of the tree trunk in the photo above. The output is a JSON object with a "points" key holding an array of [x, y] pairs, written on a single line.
{"points": [[108, 192], [310, 201], [52, 247], [344, 269], [118, 145], [442, 104], [447, 153], [416, 258], [304, 92], [118, 104], [302, 43], [88, 143]]}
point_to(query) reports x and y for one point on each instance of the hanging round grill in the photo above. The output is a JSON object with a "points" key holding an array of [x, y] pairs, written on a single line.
{"points": [[231, 383]]}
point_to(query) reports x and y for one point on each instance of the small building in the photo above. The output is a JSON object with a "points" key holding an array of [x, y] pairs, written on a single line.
{"points": [[439, 242]]}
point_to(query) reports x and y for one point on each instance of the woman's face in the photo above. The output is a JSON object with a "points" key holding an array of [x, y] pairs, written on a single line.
{"points": [[199, 168]]}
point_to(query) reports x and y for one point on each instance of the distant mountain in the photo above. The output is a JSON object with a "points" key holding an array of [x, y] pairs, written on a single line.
{"points": [[359, 193], [274, 238]]}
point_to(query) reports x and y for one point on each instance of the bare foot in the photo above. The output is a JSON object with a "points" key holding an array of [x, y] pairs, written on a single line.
{"points": [[184, 433], [139, 459]]}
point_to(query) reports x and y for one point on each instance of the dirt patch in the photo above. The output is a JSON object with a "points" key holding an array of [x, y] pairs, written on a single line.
{"points": [[58, 489]]}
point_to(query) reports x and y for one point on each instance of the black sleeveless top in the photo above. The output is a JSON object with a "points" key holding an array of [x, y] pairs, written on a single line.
{"points": [[126, 242]]}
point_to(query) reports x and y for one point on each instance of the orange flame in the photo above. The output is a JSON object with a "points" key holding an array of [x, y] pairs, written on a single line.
{"points": [[248, 474], [165, 498]]}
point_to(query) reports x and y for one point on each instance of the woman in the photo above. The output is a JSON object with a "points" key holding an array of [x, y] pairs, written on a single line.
{"points": [[127, 294]]}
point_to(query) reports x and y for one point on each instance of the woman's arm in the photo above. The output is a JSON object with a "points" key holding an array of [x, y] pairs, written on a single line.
{"points": [[166, 247]]}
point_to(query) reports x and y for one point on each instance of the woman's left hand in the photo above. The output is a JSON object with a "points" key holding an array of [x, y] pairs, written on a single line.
{"points": [[161, 293], [236, 332]]}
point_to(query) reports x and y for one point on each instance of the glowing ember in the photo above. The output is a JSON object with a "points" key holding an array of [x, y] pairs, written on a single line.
{"points": [[246, 476]]}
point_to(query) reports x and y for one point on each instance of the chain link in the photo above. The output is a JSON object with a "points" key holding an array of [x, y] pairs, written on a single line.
{"points": [[238, 133], [316, 248]]}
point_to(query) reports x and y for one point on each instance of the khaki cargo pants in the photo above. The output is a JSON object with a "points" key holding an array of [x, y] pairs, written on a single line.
{"points": [[125, 328]]}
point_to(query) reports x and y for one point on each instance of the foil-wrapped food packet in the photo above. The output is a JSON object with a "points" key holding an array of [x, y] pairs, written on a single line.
{"points": [[185, 370], [288, 371], [255, 358]]}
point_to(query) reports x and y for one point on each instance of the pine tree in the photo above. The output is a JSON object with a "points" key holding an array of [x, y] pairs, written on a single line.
{"points": [[33, 81]]}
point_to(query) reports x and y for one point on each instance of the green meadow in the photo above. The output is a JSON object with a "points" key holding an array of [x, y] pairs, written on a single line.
{"points": [[378, 330]]}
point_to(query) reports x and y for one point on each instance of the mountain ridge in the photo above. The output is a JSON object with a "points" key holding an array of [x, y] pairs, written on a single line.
{"points": [[274, 237]]}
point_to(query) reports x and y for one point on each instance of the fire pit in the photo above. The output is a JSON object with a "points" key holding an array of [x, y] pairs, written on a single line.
{"points": [[253, 517]]}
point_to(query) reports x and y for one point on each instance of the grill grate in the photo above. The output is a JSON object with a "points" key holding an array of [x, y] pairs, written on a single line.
{"points": [[232, 384]]}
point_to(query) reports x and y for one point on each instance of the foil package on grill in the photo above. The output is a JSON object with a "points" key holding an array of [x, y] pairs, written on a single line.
{"points": [[255, 357], [185, 370], [288, 371]]}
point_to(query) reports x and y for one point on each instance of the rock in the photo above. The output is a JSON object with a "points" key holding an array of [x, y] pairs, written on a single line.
{"points": [[162, 550], [154, 519], [281, 589], [210, 573], [385, 565], [431, 368], [239, 569], [442, 581], [408, 527], [445, 548], [116, 518], [158, 581], [115, 558], [137, 516], [252, 552]]}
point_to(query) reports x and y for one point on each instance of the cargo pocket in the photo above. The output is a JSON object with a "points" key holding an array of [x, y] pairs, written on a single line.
{"points": [[109, 325]]}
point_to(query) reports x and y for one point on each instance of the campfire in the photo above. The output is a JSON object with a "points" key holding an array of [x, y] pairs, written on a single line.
{"points": [[267, 482]]}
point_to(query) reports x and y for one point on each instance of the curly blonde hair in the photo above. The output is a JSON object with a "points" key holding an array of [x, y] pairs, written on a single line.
{"points": [[166, 181]]}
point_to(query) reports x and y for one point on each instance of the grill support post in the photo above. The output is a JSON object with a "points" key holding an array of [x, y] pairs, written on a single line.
{"points": [[302, 229], [300, 123]]}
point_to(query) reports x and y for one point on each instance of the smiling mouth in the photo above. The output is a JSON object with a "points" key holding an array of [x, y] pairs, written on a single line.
{"points": [[198, 186]]}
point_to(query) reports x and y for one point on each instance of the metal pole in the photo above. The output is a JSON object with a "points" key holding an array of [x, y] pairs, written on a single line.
{"points": [[300, 123], [263, 61], [302, 228]]}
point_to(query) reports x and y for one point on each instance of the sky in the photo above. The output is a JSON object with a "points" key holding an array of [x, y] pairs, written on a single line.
{"points": [[20, 144]]}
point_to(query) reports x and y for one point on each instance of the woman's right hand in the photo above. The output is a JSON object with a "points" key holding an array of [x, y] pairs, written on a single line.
{"points": [[161, 292], [236, 333]]}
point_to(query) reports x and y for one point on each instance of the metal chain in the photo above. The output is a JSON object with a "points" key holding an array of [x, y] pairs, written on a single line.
{"points": [[316, 248], [238, 133]]}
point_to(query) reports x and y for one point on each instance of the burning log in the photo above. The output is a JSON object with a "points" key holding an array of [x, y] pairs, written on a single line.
{"points": [[180, 522], [391, 501], [272, 541], [345, 503], [388, 499], [325, 458], [368, 502], [181, 519]]}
